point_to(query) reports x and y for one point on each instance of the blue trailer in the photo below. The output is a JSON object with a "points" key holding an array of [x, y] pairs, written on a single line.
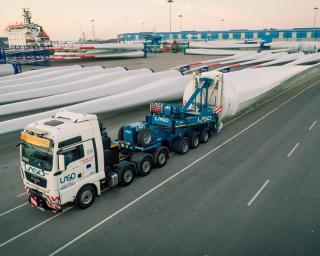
{"points": [[173, 127]]}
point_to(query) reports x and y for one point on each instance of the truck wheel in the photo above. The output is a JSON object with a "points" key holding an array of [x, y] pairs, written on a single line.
{"points": [[161, 156], [145, 166], [194, 140], [120, 133], [205, 135], [181, 145], [86, 196], [144, 137], [126, 175]]}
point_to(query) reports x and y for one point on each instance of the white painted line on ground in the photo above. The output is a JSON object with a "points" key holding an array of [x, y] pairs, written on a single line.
{"points": [[258, 193], [292, 150], [313, 124], [34, 227], [22, 194], [38, 225], [11, 210], [173, 176]]}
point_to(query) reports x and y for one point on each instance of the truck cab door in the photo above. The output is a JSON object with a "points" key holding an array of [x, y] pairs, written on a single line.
{"points": [[89, 160], [70, 161]]}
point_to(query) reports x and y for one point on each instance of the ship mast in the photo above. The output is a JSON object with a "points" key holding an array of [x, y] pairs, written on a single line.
{"points": [[26, 16]]}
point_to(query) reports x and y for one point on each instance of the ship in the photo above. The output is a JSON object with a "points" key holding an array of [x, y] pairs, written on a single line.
{"points": [[27, 33]]}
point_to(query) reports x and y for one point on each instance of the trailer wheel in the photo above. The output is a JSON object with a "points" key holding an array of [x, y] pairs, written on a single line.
{"points": [[194, 140], [144, 137], [145, 166], [205, 135], [143, 161], [120, 133], [181, 145], [161, 156], [126, 175], [86, 196]]}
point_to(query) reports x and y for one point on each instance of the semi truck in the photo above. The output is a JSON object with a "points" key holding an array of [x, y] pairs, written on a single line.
{"points": [[70, 158]]}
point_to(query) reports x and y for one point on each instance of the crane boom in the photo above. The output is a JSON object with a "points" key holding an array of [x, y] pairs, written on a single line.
{"points": [[82, 32]]}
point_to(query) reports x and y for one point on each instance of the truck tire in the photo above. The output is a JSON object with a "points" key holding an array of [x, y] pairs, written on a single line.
{"points": [[120, 133], [126, 175], [86, 196], [144, 163], [194, 140], [204, 135], [181, 145], [145, 166], [144, 137], [161, 156]]}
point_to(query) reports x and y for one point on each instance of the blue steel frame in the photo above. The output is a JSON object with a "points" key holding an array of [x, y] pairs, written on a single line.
{"points": [[28, 55]]}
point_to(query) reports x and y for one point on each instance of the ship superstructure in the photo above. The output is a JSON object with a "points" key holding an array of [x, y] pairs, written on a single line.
{"points": [[27, 33]]}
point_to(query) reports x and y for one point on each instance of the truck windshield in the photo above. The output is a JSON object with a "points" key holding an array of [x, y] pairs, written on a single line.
{"points": [[37, 156]]}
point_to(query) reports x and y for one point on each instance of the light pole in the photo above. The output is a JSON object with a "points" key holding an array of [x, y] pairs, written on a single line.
{"points": [[170, 2], [222, 20], [180, 16], [142, 27], [93, 32], [315, 21]]}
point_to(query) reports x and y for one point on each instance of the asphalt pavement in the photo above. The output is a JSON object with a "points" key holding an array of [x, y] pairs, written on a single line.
{"points": [[155, 61], [251, 190]]}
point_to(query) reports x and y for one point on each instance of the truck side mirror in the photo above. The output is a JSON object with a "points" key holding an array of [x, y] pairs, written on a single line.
{"points": [[17, 145], [61, 163]]}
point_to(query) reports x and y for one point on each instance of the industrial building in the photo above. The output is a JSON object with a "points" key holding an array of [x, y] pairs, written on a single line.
{"points": [[241, 34]]}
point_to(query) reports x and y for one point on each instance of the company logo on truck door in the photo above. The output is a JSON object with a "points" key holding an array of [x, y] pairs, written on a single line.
{"points": [[34, 170], [68, 177], [204, 119]]}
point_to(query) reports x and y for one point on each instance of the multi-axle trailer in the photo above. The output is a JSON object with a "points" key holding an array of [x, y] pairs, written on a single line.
{"points": [[70, 157]]}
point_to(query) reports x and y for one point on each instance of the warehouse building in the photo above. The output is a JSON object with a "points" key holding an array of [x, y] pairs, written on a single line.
{"points": [[241, 34]]}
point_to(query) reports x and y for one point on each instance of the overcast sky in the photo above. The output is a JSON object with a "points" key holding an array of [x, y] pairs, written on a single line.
{"points": [[61, 18]]}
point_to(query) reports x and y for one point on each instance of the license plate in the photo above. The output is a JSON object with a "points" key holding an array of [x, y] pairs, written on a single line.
{"points": [[35, 204]]}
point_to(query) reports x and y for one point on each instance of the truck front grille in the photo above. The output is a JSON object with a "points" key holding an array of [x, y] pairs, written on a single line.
{"points": [[36, 180]]}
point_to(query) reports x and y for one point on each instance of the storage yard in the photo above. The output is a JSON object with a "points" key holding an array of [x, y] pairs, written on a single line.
{"points": [[160, 143], [209, 201]]}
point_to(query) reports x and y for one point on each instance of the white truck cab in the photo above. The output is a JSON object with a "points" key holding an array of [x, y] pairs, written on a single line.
{"points": [[67, 158]]}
